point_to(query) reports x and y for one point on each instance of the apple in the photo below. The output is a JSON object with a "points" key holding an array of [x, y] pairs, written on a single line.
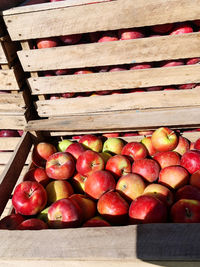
{"points": [[127, 34], [60, 165], [34, 2], [89, 162], [87, 205], [37, 174], [47, 42], [98, 183], [67, 95], [96, 221], [108, 37], [130, 186], [146, 141], [188, 192], [117, 69], [164, 139], [32, 224], [161, 192], [148, 168], [78, 182], [153, 88], [181, 28], [76, 149], [197, 144], [11, 221], [106, 156], [118, 165], [191, 161], [192, 61], [187, 86], [147, 209], [169, 88], [92, 142], [191, 145], [41, 152], [135, 150], [70, 39], [53, 97], [195, 179], [197, 22], [113, 208], [61, 72], [83, 72], [29, 198], [174, 176], [164, 28], [108, 135], [63, 145], [183, 145], [43, 215], [113, 145], [140, 66], [20, 132], [64, 213], [185, 211], [57, 190], [167, 158], [172, 63], [9, 133]]}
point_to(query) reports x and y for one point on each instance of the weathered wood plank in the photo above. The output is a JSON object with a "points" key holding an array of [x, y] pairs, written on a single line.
{"points": [[6, 156], [111, 53], [98, 17], [3, 58], [9, 143], [12, 122], [12, 104], [8, 80]]}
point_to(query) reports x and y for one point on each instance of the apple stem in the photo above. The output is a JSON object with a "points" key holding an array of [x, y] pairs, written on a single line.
{"points": [[188, 213]]}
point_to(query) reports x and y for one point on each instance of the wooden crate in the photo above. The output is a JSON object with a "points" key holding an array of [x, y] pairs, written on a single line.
{"points": [[72, 17], [133, 245]]}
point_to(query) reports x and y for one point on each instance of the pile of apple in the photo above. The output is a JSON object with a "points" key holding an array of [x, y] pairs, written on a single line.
{"points": [[98, 182]]}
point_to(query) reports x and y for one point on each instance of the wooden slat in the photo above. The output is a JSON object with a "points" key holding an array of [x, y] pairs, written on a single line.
{"points": [[3, 58], [9, 143], [12, 122], [12, 104], [124, 120], [5, 157], [112, 53], [8, 80], [131, 101], [99, 17]]}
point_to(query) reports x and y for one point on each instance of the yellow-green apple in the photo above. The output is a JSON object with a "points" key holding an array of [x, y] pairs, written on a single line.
{"points": [[47, 42], [164, 139], [96, 221], [163, 28], [60, 165], [118, 165], [57, 190], [188, 192], [197, 144], [113, 208], [161, 192], [130, 186], [146, 141], [174, 177], [167, 158], [89, 162], [185, 211], [98, 183], [147, 209], [78, 182], [183, 145], [127, 34], [135, 150], [191, 161], [92, 142], [29, 198], [75, 150], [148, 168], [195, 179], [11, 221], [63, 145], [41, 152], [64, 213], [181, 28], [113, 145], [87, 205], [43, 215], [106, 156], [32, 224], [37, 174], [70, 39]]}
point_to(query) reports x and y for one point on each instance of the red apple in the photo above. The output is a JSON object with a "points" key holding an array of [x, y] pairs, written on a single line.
{"points": [[147, 209], [71, 39], [191, 161], [11, 221], [108, 135], [117, 69], [192, 61], [83, 72], [34, 2], [164, 28], [187, 86], [185, 211], [146, 141], [108, 37], [140, 66], [174, 176], [89, 162], [164, 139], [148, 168], [130, 186], [188, 192], [195, 179], [113, 208], [61, 72], [183, 145], [197, 144], [41, 153], [161, 192], [32, 224], [96, 221], [47, 42], [67, 95], [92, 142], [113, 145], [172, 63], [153, 88], [64, 213], [135, 150], [87, 205], [78, 182], [9, 133], [37, 174], [76, 149], [98, 183], [181, 28], [167, 158], [29, 198], [60, 166], [169, 88], [118, 165], [127, 34]]}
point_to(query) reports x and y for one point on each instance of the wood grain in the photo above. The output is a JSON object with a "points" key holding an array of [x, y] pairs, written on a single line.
{"points": [[12, 104], [8, 80], [9, 143], [3, 58], [6, 156], [12, 122], [98, 17]]}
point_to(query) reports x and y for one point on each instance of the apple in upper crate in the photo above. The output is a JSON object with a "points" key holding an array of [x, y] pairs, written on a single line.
{"points": [[181, 28], [131, 33], [32, 224], [29, 198], [140, 66], [47, 42], [9, 133], [187, 86], [11, 221], [113, 145], [118, 165], [60, 165], [92, 142], [108, 36], [183, 145], [41, 152], [188, 192], [70, 39], [163, 28], [76, 149], [146, 141], [63, 145], [96, 221], [135, 150], [37, 174], [191, 161], [192, 61], [167, 158], [172, 63]]}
